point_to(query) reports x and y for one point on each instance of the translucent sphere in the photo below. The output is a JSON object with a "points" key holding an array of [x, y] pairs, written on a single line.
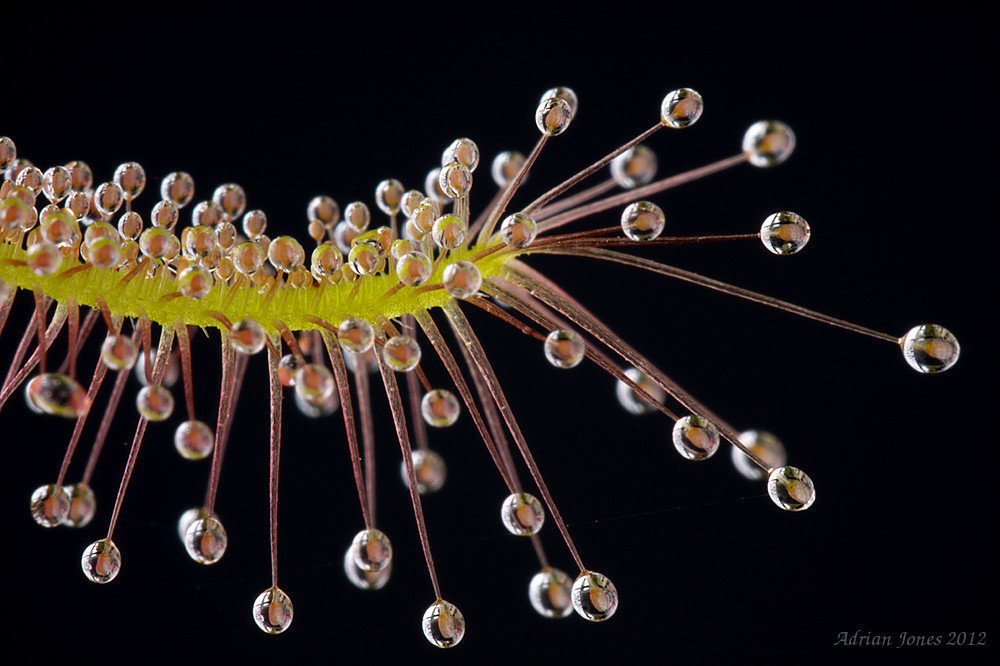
{"points": [[464, 151], [231, 198], [762, 444], [518, 230], [30, 177], [401, 353], [643, 221], [195, 282], [14, 213], [272, 611], [443, 624], [429, 469], [784, 233], [551, 593], [188, 517], [358, 215], [324, 209], [247, 336], [49, 505], [286, 254], [930, 348], [414, 268], [449, 231], [522, 514], [553, 116], [389, 195], [565, 94], [81, 176], [101, 561], [695, 437], [372, 550], [194, 440], [56, 183], [130, 225], [768, 142], [317, 409], [8, 152], [681, 108], [455, 180], [199, 242], [632, 401], [177, 187], [205, 540], [56, 394], [59, 226], [326, 260], [790, 488], [361, 579], [594, 596], [364, 257], [82, 505], [355, 335], [314, 383], [248, 257], [565, 348], [207, 214], [433, 187], [170, 375], [108, 198], [440, 408], [505, 166], [636, 166], [155, 402], [79, 203], [462, 279], [158, 244], [43, 258], [165, 214], [288, 366]]}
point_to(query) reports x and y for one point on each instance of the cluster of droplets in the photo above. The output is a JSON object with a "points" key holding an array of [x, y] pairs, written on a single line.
{"points": [[348, 248]]}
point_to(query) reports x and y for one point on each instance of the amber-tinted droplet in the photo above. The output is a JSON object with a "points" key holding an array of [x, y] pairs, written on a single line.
{"points": [[522, 514], [553, 116], [784, 233], [389, 196], [401, 353], [762, 444], [364, 580], [768, 142], [790, 488], [355, 335], [518, 230], [440, 408], [635, 167], [118, 352], [564, 348], [681, 108], [695, 437], [505, 166], [643, 221], [462, 279], [247, 336], [155, 402]]}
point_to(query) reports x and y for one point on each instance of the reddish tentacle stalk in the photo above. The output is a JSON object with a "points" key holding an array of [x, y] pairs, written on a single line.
{"points": [[363, 389], [15, 378], [347, 406], [109, 413], [508, 192], [399, 420], [160, 366], [227, 392], [185, 346], [464, 331], [275, 454]]}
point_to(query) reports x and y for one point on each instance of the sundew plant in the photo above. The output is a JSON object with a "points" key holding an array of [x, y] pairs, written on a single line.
{"points": [[153, 311]]}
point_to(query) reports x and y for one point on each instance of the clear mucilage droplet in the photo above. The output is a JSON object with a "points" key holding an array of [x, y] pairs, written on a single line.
{"points": [[194, 440], [784, 233], [594, 596], [768, 142], [272, 611], [762, 444], [82, 505], [361, 579], [551, 593], [372, 550], [155, 402], [49, 505], [443, 624], [790, 488], [522, 514], [101, 561], [440, 408], [56, 394], [643, 221], [401, 353], [695, 437], [205, 540], [564, 348], [631, 400], [429, 470], [929, 348]]}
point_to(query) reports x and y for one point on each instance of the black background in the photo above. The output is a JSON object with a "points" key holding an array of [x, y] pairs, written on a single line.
{"points": [[892, 170]]}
